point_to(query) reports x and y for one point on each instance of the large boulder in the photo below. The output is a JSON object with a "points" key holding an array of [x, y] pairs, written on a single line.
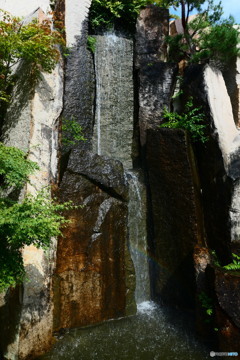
{"points": [[175, 211], [90, 277]]}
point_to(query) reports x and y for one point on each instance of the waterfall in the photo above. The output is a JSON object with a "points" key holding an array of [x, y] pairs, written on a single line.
{"points": [[138, 235], [113, 130], [113, 134]]}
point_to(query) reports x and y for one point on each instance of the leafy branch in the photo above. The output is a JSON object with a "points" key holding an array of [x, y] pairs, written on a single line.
{"points": [[71, 132], [235, 264], [34, 220], [35, 43], [191, 119]]}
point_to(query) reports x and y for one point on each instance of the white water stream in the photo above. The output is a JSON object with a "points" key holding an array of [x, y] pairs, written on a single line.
{"points": [[137, 223]]}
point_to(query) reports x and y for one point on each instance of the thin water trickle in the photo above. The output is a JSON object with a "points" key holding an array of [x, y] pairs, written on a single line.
{"points": [[154, 333], [113, 130], [137, 224]]}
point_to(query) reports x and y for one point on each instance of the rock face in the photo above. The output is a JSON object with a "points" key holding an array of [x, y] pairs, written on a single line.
{"points": [[113, 129], [220, 173], [79, 91], [156, 79], [218, 164], [90, 281], [75, 17], [93, 257], [169, 165], [152, 26], [32, 125], [221, 108], [228, 140], [156, 84], [174, 203]]}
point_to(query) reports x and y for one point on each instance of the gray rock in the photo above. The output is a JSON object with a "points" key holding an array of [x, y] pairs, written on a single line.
{"points": [[156, 84], [113, 128], [79, 90], [151, 29], [104, 172]]}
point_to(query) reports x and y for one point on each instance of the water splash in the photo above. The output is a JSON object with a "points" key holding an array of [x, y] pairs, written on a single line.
{"points": [[146, 307]]}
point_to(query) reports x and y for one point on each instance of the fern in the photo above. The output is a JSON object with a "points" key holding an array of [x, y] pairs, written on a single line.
{"points": [[235, 265]]}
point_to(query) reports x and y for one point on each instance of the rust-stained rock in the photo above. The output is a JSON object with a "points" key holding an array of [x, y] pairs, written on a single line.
{"points": [[177, 225], [228, 333], [90, 275], [201, 260], [225, 289]]}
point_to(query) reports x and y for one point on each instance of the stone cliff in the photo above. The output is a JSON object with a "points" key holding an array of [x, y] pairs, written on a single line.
{"points": [[132, 181]]}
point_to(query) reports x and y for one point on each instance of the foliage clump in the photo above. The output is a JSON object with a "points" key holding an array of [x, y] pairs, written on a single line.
{"points": [[91, 43], [35, 43], [206, 36], [235, 264], [191, 119], [14, 167], [71, 132], [106, 14], [34, 220]]}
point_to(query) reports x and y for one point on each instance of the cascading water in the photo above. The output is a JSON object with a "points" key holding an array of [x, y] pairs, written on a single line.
{"points": [[138, 236], [113, 130], [153, 333]]}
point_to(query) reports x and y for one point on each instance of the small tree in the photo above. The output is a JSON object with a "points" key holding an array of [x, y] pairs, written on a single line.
{"points": [[206, 36], [34, 42], [33, 220]]}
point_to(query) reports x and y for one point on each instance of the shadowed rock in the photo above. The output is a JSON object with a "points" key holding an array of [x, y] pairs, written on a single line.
{"points": [[177, 224]]}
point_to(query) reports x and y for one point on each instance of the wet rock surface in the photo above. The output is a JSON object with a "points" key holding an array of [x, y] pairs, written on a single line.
{"points": [[175, 214], [90, 273], [156, 78], [113, 127], [156, 82], [227, 287], [106, 173], [79, 90]]}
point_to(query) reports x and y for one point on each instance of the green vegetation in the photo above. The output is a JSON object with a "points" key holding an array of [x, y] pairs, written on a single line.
{"points": [[71, 132], [206, 37], [34, 220], [106, 14], [14, 168], [91, 43], [235, 265], [191, 119], [207, 304], [35, 43]]}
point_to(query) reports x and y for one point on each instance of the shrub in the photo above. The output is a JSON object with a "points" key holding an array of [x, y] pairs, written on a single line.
{"points": [[71, 132], [33, 220], [105, 14], [191, 119], [34, 42]]}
